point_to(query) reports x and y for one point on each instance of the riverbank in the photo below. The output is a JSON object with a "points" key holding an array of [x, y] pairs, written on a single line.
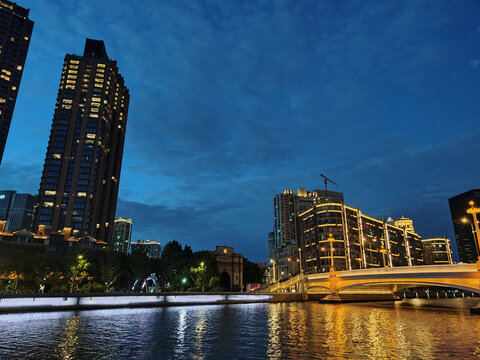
{"points": [[57, 302]]}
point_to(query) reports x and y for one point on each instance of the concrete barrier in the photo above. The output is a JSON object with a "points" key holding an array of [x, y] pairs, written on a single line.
{"points": [[56, 302]]}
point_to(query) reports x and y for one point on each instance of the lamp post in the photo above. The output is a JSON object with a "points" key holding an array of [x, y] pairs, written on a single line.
{"points": [[300, 259], [274, 277], [331, 239], [474, 211], [383, 251]]}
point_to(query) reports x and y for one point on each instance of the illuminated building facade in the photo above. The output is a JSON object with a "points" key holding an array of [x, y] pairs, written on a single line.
{"points": [[81, 174], [15, 32], [122, 235], [287, 206], [359, 241], [463, 224], [151, 248], [17, 210], [405, 223], [437, 251]]}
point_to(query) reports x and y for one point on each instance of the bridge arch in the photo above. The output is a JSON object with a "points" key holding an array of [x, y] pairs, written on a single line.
{"points": [[409, 284]]}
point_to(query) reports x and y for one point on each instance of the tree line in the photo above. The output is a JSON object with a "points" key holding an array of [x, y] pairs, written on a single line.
{"points": [[25, 269]]}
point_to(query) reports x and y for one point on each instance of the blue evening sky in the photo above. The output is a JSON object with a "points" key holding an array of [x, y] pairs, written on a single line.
{"points": [[235, 101]]}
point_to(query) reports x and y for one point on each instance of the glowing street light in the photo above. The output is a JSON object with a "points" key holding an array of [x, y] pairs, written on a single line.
{"points": [[300, 259], [273, 262], [331, 239], [474, 211]]}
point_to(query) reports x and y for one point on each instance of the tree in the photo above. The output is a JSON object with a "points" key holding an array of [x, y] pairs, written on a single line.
{"points": [[200, 276], [108, 269], [252, 272], [76, 272]]}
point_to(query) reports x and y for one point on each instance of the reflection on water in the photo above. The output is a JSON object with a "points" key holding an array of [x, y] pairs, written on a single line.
{"points": [[251, 331], [68, 339]]}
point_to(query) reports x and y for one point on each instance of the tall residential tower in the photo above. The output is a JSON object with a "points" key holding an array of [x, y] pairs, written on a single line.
{"points": [[79, 186], [15, 32], [464, 226]]}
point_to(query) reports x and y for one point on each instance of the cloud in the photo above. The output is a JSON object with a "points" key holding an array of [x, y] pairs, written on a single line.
{"points": [[232, 102], [474, 63]]}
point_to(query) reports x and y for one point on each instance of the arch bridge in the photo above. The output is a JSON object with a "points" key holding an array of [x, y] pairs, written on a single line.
{"points": [[384, 281]]}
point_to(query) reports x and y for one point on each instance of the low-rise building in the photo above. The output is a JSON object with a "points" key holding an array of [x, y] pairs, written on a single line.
{"points": [[437, 251], [230, 268]]}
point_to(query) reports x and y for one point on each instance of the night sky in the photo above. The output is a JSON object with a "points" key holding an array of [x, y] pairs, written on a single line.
{"points": [[235, 101]]}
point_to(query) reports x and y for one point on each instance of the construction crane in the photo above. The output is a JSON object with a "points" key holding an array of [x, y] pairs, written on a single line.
{"points": [[326, 181]]}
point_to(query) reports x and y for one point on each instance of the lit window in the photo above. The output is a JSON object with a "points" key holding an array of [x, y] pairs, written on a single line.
{"points": [[82, 194], [57, 156], [101, 65], [50, 192], [74, 62], [19, 67], [48, 204]]}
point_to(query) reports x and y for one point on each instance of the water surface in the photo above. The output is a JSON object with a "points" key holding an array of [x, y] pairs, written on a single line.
{"points": [[252, 331]]}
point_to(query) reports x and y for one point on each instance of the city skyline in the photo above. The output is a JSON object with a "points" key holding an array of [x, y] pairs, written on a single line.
{"points": [[223, 117]]}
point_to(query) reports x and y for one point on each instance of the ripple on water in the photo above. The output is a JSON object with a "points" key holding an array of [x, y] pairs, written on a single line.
{"points": [[250, 331]]}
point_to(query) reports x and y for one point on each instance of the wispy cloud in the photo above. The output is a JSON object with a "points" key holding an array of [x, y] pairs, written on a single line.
{"points": [[234, 101]]}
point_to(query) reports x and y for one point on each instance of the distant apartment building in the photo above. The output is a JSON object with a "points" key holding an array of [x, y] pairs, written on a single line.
{"points": [[15, 32], [17, 210], [271, 247], [287, 206], [437, 251], [151, 248], [81, 173], [463, 225], [357, 241], [122, 235]]}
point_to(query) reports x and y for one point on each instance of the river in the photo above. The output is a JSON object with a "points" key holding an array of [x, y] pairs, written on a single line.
{"points": [[252, 331]]}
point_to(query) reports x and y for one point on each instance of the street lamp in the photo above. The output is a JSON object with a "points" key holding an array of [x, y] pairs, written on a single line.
{"points": [[465, 221], [331, 239], [383, 251], [474, 211], [300, 259], [273, 262]]}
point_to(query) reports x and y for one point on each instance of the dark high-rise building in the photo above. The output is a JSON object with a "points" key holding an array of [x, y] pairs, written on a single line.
{"points": [[122, 235], [81, 173], [15, 32], [17, 210], [463, 224]]}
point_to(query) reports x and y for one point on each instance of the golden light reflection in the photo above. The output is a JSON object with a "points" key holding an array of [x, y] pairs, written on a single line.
{"points": [[200, 328], [69, 338], [274, 347]]}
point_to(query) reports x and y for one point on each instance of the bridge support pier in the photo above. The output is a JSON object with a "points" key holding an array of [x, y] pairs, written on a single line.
{"points": [[333, 296]]}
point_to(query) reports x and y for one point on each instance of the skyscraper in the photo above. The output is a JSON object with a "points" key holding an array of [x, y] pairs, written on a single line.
{"points": [[81, 174], [286, 207], [15, 32], [463, 224], [122, 235], [17, 210]]}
